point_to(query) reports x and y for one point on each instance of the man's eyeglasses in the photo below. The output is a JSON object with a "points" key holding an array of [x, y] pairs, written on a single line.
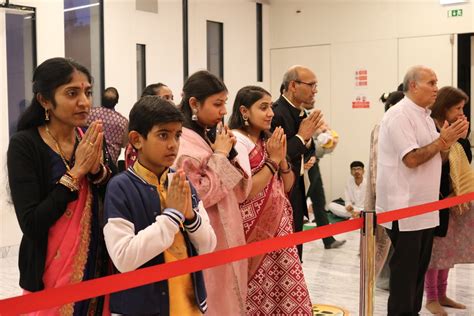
{"points": [[313, 85]]}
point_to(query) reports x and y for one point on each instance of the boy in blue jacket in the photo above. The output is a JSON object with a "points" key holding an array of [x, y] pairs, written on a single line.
{"points": [[153, 215]]}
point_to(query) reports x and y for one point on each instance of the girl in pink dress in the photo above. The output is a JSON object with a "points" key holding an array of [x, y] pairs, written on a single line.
{"points": [[210, 158]]}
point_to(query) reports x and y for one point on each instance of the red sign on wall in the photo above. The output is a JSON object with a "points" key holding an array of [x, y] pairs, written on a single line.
{"points": [[361, 78], [360, 102], [361, 85]]}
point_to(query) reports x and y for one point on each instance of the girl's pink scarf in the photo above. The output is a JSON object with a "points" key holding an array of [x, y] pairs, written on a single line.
{"points": [[221, 186]]}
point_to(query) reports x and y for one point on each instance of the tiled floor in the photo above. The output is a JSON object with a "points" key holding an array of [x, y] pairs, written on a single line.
{"points": [[332, 277]]}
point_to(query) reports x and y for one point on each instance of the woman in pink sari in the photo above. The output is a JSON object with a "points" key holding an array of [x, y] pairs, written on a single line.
{"points": [[56, 175], [276, 284], [221, 177]]}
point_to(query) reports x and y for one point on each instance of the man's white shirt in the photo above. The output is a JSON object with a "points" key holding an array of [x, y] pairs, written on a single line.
{"points": [[405, 127], [354, 194]]}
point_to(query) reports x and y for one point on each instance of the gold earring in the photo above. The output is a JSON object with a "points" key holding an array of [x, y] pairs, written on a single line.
{"points": [[46, 115], [246, 120]]}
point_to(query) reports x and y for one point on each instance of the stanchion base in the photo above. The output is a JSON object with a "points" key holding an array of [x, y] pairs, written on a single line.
{"points": [[324, 310]]}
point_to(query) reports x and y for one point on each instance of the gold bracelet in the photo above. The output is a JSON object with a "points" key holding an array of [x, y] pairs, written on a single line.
{"points": [[74, 179], [68, 182]]}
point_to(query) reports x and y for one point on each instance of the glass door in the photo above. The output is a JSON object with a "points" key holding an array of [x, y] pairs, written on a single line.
{"points": [[17, 26], [17, 62]]}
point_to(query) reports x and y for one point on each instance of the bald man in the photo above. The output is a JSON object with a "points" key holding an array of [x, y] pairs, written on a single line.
{"points": [[299, 87], [410, 155]]}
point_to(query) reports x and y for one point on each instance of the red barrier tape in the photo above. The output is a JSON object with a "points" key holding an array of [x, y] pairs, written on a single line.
{"points": [[424, 208], [97, 287]]}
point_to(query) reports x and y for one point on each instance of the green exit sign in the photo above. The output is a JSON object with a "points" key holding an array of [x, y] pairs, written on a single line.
{"points": [[454, 13]]}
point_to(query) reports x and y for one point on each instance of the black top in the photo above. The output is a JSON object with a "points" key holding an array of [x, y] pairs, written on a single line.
{"points": [[446, 189], [288, 117], [39, 202]]}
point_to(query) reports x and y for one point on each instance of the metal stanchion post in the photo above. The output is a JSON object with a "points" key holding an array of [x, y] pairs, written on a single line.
{"points": [[367, 263]]}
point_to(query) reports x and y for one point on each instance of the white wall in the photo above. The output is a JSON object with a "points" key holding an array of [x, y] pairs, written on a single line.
{"points": [[161, 32], [162, 35], [412, 51], [355, 125], [330, 21], [240, 41], [382, 36], [50, 42]]}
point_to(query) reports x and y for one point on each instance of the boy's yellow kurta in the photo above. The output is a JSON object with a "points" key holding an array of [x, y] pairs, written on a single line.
{"points": [[181, 294]]}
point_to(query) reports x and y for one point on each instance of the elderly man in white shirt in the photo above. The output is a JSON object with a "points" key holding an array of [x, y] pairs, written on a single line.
{"points": [[410, 154], [354, 193]]}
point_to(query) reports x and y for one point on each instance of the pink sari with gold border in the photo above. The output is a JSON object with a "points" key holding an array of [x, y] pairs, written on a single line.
{"points": [[68, 249], [276, 284]]}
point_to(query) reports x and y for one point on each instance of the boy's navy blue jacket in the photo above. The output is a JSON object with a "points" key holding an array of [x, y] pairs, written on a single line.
{"points": [[136, 234]]}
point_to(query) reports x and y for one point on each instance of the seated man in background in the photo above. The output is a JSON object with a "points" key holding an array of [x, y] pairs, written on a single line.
{"points": [[354, 194]]}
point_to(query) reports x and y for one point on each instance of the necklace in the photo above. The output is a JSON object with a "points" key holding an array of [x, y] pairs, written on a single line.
{"points": [[58, 148], [256, 143], [249, 136]]}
